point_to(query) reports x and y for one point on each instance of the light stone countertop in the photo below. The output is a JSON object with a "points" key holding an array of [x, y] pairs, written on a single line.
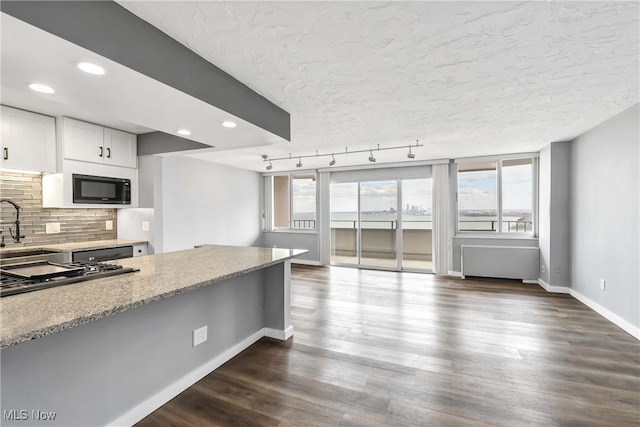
{"points": [[31, 315], [77, 246]]}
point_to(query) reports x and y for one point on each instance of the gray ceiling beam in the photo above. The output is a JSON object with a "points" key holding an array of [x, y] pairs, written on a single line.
{"points": [[110, 30]]}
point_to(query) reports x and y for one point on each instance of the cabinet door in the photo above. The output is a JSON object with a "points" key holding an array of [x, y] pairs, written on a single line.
{"points": [[83, 141], [120, 148], [28, 141]]}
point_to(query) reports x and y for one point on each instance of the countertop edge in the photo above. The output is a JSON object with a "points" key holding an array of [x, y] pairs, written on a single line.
{"points": [[39, 333], [82, 246]]}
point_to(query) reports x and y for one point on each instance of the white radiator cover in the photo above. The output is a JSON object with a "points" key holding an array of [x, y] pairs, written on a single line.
{"points": [[505, 262]]}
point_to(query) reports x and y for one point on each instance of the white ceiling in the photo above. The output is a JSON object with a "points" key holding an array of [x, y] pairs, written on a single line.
{"points": [[466, 78], [123, 99]]}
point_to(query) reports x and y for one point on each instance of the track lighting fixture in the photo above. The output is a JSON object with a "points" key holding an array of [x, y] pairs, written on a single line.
{"points": [[333, 155]]}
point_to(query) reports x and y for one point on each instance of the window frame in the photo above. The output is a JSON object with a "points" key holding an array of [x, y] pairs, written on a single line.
{"points": [[270, 207], [499, 197]]}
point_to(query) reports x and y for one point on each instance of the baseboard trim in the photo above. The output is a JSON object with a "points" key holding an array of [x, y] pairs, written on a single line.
{"points": [[145, 408], [530, 282], [455, 274], [305, 262], [632, 330], [279, 334], [610, 316], [554, 289]]}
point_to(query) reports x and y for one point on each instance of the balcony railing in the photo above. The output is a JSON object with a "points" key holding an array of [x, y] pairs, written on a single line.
{"points": [[378, 224], [305, 224], [464, 225], [517, 226]]}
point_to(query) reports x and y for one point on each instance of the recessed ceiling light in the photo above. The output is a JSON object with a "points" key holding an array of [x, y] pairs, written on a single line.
{"points": [[184, 132], [90, 68], [41, 88], [229, 124]]}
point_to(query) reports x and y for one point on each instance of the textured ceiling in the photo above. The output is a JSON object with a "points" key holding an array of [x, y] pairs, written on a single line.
{"points": [[466, 78]]}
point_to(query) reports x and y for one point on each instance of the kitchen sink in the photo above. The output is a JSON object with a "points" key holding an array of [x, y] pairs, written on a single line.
{"points": [[35, 254]]}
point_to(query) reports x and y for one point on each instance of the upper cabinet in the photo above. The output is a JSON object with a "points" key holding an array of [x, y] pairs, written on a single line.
{"points": [[82, 141], [120, 148], [91, 143], [28, 141]]}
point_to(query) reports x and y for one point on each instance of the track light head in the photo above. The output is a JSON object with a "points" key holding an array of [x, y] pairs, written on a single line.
{"points": [[299, 164], [411, 155], [371, 158], [269, 166], [333, 160]]}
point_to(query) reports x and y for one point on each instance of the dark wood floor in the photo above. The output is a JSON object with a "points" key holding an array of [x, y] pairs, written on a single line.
{"points": [[375, 348]]}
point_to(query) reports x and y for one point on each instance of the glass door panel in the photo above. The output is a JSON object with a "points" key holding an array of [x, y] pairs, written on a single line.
{"points": [[378, 223], [344, 223], [417, 225]]}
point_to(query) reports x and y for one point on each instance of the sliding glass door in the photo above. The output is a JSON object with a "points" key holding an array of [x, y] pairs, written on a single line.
{"points": [[344, 223], [417, 225], [371, 229], [379, 224]]}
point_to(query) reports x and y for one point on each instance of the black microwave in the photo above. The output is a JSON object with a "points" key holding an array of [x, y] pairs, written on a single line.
{"points": [[101, 190]]}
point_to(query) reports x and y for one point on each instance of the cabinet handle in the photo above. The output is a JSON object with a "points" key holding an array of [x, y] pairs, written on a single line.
{"points": [[100, 152], [6, 153], [108, 153]]}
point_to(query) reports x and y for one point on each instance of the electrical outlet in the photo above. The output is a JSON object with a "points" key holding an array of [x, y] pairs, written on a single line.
{"points": [[109, 225], [199, 335], [52, 227], [145, 225], [603, 284]]}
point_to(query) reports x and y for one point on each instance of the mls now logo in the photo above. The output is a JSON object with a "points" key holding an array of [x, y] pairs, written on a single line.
{"points": [[23, 414]]}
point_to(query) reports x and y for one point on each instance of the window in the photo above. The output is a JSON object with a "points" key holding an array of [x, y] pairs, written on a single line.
{"points": [[293, 202], [477, 196], [517, 196], [496, 196]]}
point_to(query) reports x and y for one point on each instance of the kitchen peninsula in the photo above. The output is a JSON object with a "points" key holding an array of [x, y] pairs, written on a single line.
{"points": [[109, 351]]}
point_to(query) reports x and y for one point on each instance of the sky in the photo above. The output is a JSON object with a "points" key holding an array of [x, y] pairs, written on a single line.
{"points": [[304, 195], [380, 196], [477, 190]]}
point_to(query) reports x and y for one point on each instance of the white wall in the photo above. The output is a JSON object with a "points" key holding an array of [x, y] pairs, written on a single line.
{"points": [[605, 215], [203, 202], [544, 212], [554, 226], [293, 240], [130, 226]]}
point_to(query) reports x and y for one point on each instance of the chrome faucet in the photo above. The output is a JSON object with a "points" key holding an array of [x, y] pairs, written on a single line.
{"points": [[16, 238]]}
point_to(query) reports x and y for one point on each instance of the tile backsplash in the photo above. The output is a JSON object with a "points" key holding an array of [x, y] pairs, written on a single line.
{"points": [[75, 224]]}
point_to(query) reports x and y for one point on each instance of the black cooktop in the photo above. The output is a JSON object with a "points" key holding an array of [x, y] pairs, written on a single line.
{"points": [[78, 271]]}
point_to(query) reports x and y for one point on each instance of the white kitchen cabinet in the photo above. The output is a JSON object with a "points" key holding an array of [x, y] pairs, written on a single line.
{"points": [[28, 141], [120, 148], [87, 142], [82, 141]]}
